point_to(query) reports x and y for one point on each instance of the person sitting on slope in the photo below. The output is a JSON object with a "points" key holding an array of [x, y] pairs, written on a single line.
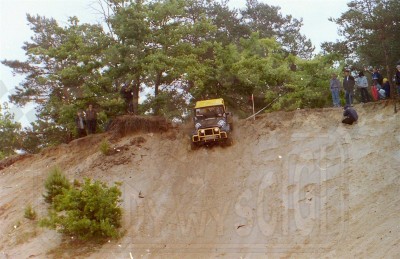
{"points": [[350, 115]]}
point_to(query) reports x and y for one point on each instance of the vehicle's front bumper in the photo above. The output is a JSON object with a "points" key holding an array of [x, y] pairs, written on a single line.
{"points": [[209, 135]]}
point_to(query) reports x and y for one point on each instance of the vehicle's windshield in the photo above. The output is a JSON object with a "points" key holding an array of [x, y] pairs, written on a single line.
{"points": [[209, 112]]}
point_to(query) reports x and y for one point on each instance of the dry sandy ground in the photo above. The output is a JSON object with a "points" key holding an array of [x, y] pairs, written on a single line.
{"points": [[294, 185]]}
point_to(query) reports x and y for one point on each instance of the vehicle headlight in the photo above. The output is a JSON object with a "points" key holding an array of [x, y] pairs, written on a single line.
{"points": [[197, 125], [216, 129], [221, 123]]}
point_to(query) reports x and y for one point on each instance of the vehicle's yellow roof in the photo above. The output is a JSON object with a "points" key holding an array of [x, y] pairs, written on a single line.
{"points": [[211, 102]]}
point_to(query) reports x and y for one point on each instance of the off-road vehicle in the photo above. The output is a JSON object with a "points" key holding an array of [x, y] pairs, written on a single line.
{"points": [[212, 124]]}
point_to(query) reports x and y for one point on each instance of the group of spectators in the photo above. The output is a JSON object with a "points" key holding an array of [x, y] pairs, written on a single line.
{"points": [[380, 90], [380, 86], [86, 122], [350, 115]]}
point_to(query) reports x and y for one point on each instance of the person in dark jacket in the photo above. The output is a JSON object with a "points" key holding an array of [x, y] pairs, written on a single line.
{"points": [[348, 86], [91, 119], [397, 79], [80, 124], [127, 94], [350, 115], [377, 78]]}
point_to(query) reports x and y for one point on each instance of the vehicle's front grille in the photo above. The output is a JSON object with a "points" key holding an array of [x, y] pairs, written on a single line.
{"points": [[209, 134]]}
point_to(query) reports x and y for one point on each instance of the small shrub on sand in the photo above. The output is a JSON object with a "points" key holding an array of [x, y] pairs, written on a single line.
{"points": [[87, 211], [105, 147], [55, 183], [30, 213]]}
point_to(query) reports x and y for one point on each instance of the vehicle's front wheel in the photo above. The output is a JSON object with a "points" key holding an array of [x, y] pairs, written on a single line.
{"points": [[193, 146], [231, 126], [228, 142]]}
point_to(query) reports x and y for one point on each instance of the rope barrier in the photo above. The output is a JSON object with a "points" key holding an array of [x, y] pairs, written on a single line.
{"points": [[253, 115]]}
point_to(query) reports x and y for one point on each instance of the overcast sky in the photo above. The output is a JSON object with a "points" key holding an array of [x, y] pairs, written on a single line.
{"points": [[14, 30]]}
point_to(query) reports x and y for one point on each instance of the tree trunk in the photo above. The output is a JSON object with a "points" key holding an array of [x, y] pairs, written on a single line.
{"points": [[388, 74], [135, 93], [156, 92]]}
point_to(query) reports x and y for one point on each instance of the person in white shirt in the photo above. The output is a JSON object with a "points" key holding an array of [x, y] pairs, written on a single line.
{"points": [[362, 86], [80, 124]]}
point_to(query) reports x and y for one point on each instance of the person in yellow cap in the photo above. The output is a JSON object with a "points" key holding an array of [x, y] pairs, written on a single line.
{"points": [[386, 87]]}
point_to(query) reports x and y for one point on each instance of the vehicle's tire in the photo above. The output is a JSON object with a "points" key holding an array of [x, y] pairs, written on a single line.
{"points": [[228, 142], [193, 146]]}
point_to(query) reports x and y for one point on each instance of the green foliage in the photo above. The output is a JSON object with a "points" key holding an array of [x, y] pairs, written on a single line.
{"points": [[88, 211], [371, 34], [105, 147], [9, 133], [67, 116], [55, 184], [30, 213], [61, 76], [170, 103], [43, 133], [180, 50], [270, 23], [110, 107], [307, 87]]}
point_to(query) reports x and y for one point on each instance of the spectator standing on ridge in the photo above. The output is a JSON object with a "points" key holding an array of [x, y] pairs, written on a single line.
{"points": [[91, 119], [127, 94], [362, 85], [377, 78], [397, 79], [350, 115], [348, 85], [335, 90], [80, 124], [386, 87]]}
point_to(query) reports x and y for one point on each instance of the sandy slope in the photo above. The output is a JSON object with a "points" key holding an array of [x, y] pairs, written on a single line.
{"points": [[297, 184]]}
